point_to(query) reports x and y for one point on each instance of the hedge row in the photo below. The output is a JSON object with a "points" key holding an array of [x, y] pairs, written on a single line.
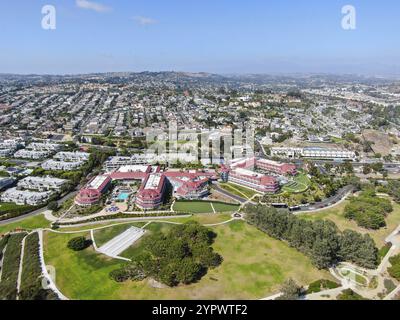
{"points": [[12, 256], [3, 243], [124, 216], [31, 280], [18, 211], [207, 201]]}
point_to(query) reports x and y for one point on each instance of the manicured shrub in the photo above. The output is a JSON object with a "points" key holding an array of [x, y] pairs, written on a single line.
{"points": [[321, 285], [394, 270], [79, 243], [349, 294], [130, 272]]}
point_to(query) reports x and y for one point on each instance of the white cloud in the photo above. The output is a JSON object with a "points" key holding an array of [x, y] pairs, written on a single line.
{"points": [[90, 5], [144, 21]]}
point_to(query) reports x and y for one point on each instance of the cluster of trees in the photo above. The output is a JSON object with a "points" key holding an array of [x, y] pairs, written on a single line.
{"points": [[368, 210], [373, 167], [393, 189], [79, 243], [10, 269], [394, 270], [181, 256], [31, 280], [290, 290], [321, 240], [328, 184]]}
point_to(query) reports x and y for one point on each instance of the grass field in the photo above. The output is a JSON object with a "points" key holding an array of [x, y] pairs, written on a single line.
{"points": [[203, 207], [205, 218], [102, 236], [29, 223], [336, 215], [254, 266], [238, 190]]}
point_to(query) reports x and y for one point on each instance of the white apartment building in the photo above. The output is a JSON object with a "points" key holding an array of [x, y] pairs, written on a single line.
{"points": [[313, 152], [114, 163], [72, 156], [42, 183], [39, 146], [24, 197], [11, 144], [61, 165], [287, 152], [328, 153], [5, 153], [32, 154]]}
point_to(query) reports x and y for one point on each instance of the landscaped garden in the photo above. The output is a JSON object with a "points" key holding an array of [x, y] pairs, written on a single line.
{"points": [[240, 191], [300, 183]]}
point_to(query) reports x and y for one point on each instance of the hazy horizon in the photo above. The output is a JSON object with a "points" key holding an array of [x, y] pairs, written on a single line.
{"points": [[252, 37]]}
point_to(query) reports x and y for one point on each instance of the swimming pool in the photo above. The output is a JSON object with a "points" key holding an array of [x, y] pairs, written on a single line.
{"points": [[123, 196]]}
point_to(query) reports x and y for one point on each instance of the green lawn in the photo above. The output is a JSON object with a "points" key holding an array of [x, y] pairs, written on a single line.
{"points": [[205, 218], [193, 206], [222, 207], [238, 190], [29, 223], [203, 207], [254, 267], [336, 215], [102, 236]]}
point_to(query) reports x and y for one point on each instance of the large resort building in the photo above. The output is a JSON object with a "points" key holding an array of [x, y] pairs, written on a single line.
{"points": [[151, 192], [190, 185], [243, 172], [153, 185], [253, 180], [93, 191], [186, 184]]}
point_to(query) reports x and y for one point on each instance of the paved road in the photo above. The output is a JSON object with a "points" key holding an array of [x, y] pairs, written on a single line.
{"points": [[39, 211], [339, 196]]}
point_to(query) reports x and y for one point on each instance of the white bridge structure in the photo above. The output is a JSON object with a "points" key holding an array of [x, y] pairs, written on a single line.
{"points": [[120, 243]]}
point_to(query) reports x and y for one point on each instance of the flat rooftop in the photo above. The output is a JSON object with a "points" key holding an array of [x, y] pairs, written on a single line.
{"points": [[153, 182], [133, 168], [97, 182]]}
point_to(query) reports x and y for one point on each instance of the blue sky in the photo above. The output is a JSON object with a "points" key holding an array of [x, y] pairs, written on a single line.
{"points": [[221, 36]]}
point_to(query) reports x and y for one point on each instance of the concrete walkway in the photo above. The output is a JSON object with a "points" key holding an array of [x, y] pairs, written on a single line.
{"points": [[1, 261], [21, 264], [50, 283]]}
